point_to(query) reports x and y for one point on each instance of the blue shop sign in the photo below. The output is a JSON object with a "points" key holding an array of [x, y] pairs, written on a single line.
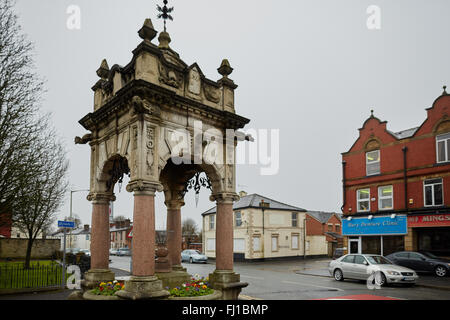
{"points": [[386, 225]]}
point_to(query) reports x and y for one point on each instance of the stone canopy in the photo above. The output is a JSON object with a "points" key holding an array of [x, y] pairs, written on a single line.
{"points": [[145, 118]]}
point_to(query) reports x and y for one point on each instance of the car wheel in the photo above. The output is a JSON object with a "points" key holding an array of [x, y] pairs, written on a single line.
{"points": [[381, 280], [440, 271], [190, 260], [338, 275]]}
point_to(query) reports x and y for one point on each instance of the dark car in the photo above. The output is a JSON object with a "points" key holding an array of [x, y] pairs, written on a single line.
{"points": [[421, 262]]}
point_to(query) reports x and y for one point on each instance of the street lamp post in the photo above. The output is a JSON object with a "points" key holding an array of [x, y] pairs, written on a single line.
{"points": [[70, 217]]}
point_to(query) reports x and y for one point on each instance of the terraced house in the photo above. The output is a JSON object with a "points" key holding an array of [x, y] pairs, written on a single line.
{"points": [[265, 229], [396, 186]]}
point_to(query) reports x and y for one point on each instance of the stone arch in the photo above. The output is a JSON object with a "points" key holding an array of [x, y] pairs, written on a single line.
{"points": [[215, 173], [105, 178]]}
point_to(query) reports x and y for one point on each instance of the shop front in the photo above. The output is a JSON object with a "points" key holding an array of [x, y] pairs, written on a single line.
{"points": [[431, 233], [375, 235]]}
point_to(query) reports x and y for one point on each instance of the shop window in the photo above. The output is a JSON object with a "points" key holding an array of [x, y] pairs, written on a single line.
{"points": [[363, 199], [393, 244], [373, 162], [385, 198], [371, 245], [433, 192], [443, 148]]}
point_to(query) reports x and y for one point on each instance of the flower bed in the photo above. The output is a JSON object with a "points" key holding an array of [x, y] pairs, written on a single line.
{"points": [[196, 287], [107, 289]]}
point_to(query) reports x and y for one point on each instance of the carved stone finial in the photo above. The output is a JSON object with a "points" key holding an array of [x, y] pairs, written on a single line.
{"points": [[147, 32], [445, 91], [103, 71], [164, 40], [371, 113], [225, 69]]}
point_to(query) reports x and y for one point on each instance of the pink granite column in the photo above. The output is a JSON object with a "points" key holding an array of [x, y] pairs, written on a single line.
{"points": [[174, 235], [143, 250], [100, 237], [224, 234]]}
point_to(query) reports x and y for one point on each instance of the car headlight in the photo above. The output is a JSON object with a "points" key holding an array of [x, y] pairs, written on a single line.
{"points": [[393, 273]]}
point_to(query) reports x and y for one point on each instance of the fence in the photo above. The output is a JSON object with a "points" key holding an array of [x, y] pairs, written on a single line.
{"points": [[15, 276]]}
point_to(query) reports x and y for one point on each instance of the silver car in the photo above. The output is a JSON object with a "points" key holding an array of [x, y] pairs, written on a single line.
{"points": [[362, 266], [193, 256]]}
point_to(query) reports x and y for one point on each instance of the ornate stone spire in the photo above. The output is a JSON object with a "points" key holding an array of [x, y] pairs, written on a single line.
{"points": [[225, 69], [103, 71], [147, 32]]}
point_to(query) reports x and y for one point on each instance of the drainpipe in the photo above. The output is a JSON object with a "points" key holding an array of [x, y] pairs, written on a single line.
{"points": [[344, 163], [405, 178]]}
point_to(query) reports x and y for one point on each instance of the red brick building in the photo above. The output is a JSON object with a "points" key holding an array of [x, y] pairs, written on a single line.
{"points": [[5, 226], [397, 186], [328, 224]]}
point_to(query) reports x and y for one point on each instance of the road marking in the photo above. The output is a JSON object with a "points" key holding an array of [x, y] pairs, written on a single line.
{"points": [[312, 285], [245, 297], [251, 277]]}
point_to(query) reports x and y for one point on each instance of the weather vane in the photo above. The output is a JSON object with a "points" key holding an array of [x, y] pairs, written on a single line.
{"points": [[165, 13]]}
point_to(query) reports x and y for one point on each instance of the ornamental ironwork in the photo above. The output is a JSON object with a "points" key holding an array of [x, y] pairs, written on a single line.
{"points": [[119, 170], [196, 183], [165, 13]]}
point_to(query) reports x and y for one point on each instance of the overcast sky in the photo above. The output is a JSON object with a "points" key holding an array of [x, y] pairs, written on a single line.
{"points": [[310, 68]]}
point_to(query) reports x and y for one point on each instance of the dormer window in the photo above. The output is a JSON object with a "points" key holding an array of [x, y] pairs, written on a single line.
{"points": [[373, 162], [443, 147]]}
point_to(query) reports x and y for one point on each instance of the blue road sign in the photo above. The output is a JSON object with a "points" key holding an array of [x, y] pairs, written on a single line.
{"points": [[66, 224]]}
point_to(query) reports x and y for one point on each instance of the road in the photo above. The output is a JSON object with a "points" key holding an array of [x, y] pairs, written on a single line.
{"points": [[281, 281]]}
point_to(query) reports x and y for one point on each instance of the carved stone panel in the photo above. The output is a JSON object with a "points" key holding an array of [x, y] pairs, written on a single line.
{"points": [[194, 81], [212, 94], [150, 150], [169, 77]]}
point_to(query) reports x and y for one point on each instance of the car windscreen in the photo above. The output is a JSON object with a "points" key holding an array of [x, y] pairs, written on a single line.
{"points": [[378, 260]]}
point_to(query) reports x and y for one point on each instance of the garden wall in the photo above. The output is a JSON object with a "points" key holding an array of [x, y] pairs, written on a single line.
{"points": [[17, 248]]}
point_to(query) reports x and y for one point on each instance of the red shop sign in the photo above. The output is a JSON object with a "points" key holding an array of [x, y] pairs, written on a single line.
{"points": [[430, 220]]}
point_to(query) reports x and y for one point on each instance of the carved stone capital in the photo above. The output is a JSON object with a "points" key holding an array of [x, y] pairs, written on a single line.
{"points": [[174, 204], [140, 187], [101, 197], [224, 197]]}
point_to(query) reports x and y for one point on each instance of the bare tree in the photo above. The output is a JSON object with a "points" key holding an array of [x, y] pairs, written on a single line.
{"points": [[36, 204], [189, 228], [20, 121]]}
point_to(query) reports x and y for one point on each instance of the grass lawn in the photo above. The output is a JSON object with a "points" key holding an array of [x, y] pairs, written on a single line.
{"points": [[42, 273]]}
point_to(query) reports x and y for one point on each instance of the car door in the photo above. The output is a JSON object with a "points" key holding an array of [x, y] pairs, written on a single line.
{"points": [[419, 262], [183, 255], [360, 267], [401, 259], [347, 266]]}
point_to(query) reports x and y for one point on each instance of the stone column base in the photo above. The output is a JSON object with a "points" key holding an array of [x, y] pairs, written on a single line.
{"points": [[174, 278], [138, 288], [228, 282], [178, 267], [94, 277]]}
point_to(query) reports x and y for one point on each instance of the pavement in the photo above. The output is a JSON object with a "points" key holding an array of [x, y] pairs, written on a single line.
{"points": [[319, 268]]}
